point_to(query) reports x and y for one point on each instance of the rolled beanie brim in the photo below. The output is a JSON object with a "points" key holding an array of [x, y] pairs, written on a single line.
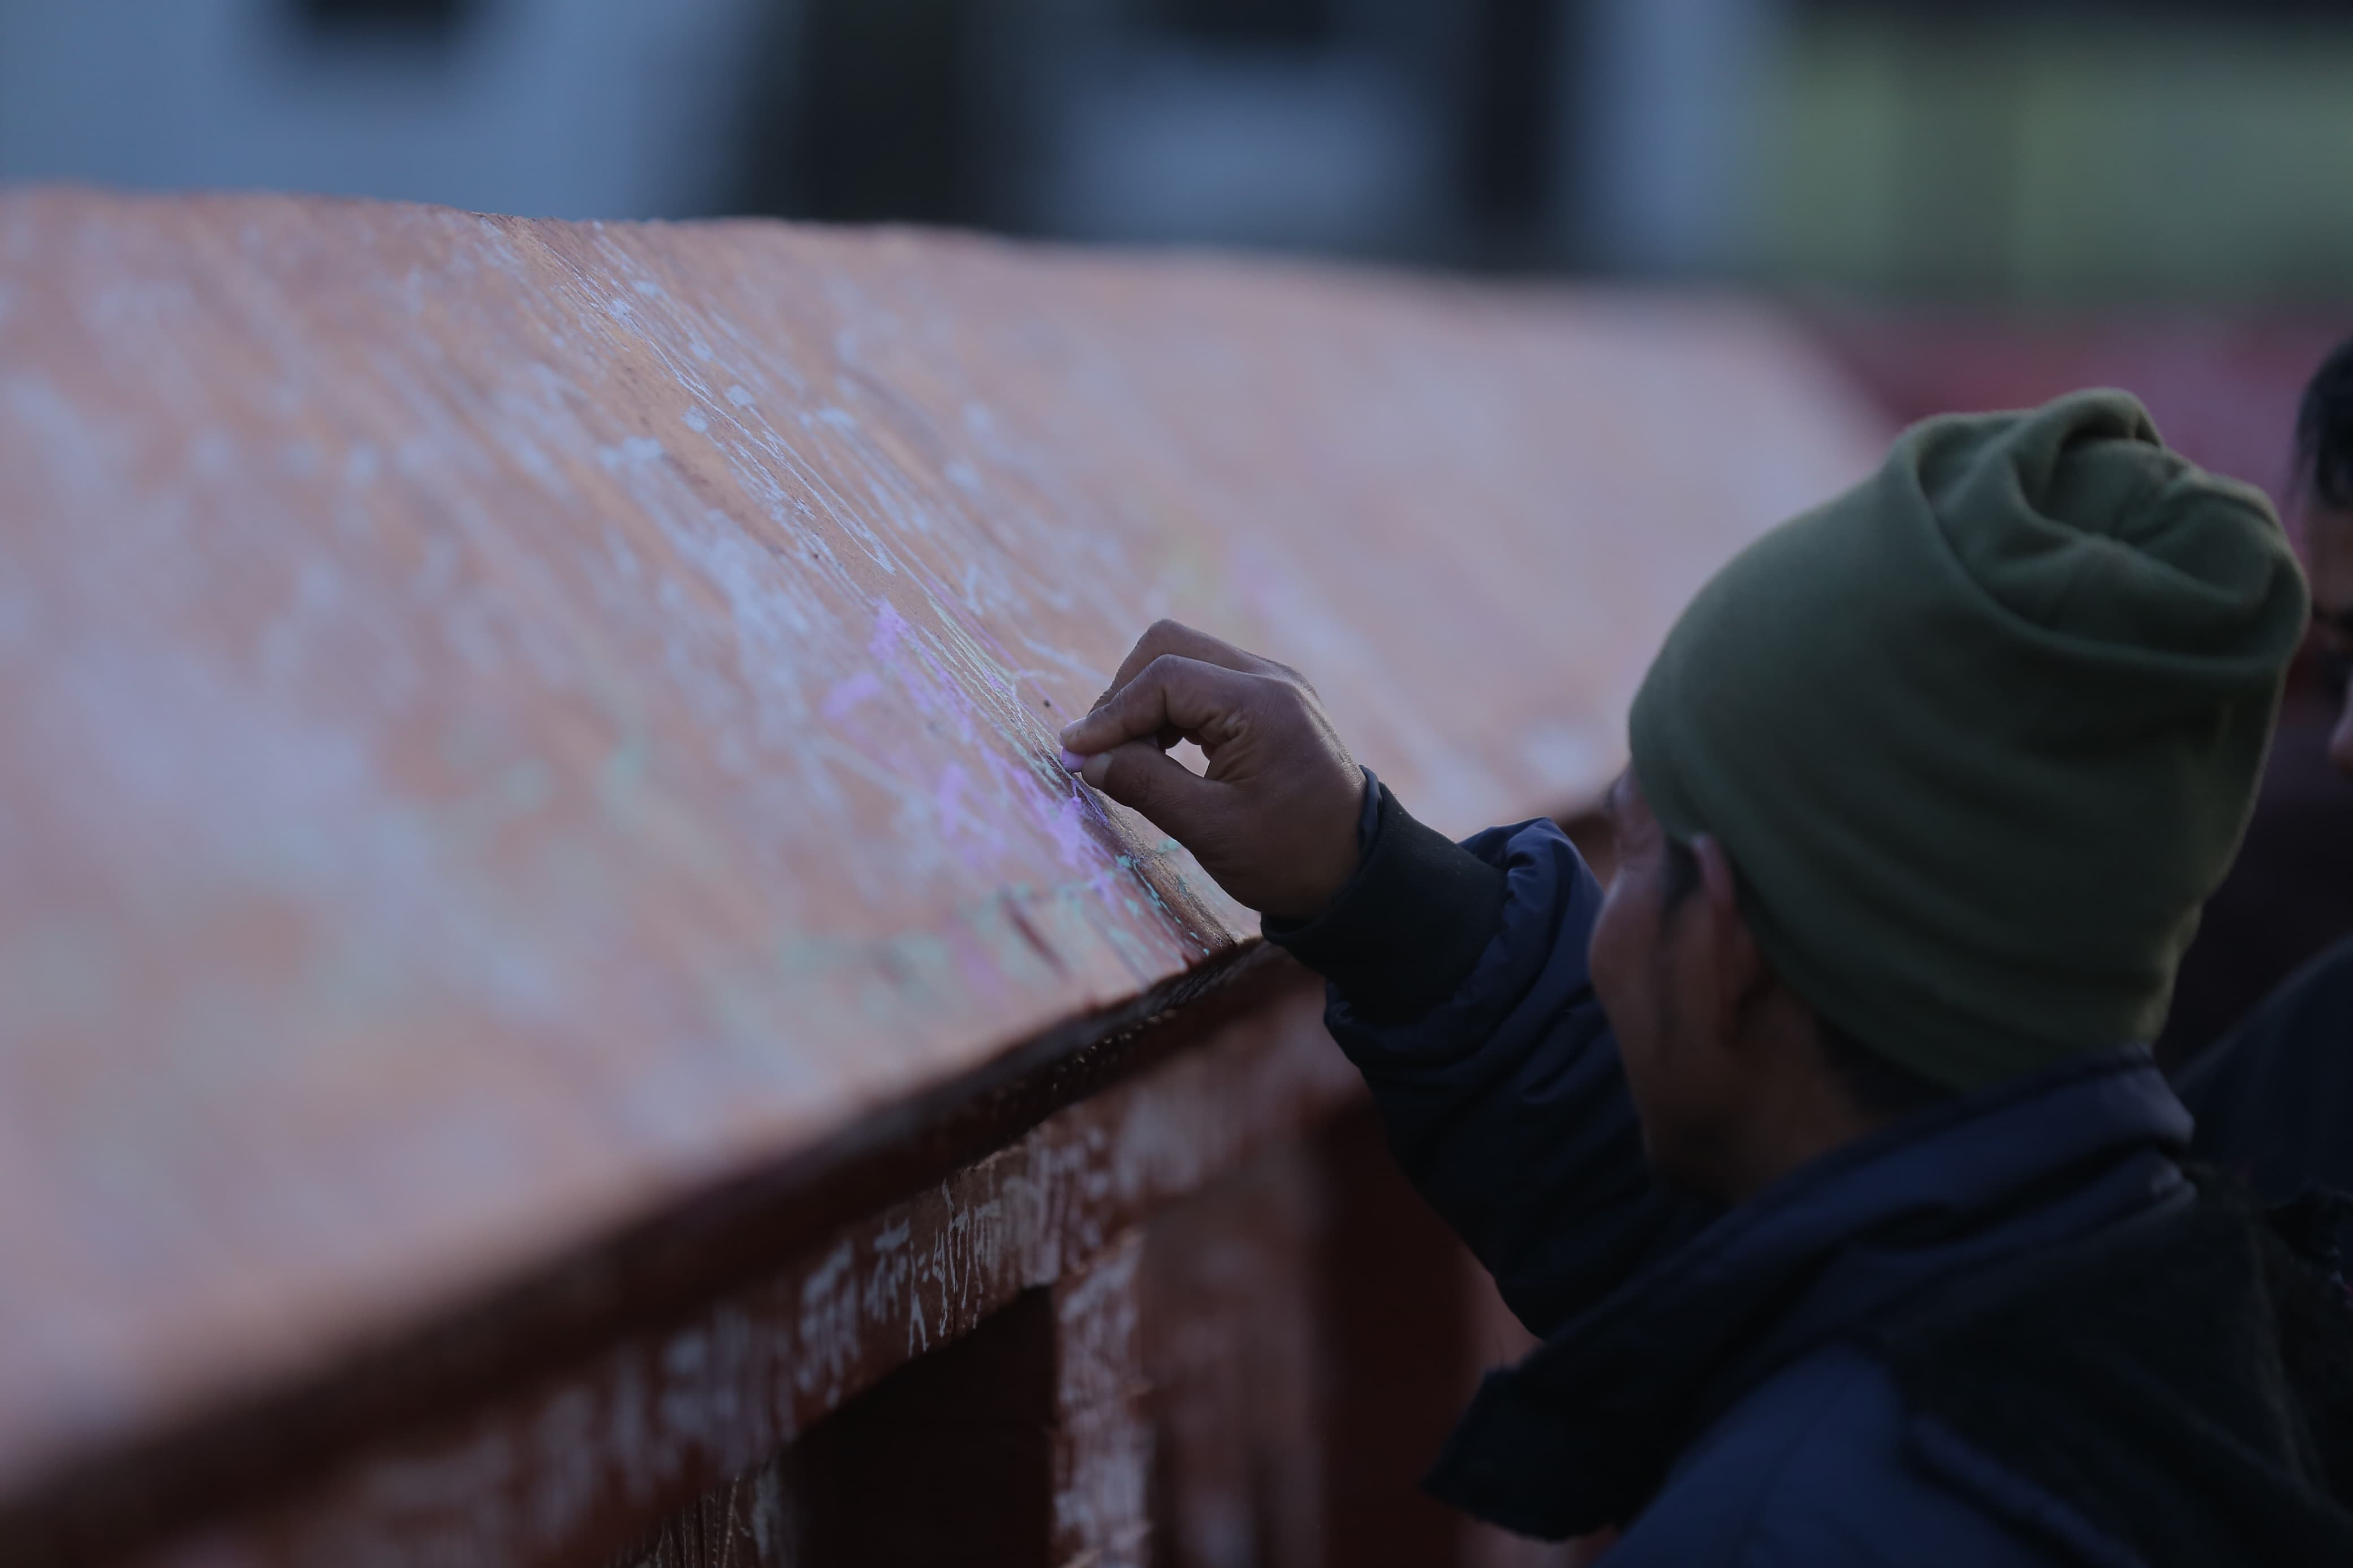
{"points": [[1981, 735]]}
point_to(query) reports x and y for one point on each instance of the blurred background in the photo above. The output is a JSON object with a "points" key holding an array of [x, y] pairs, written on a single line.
{"points": [[2042, 152], [1974, 202]]}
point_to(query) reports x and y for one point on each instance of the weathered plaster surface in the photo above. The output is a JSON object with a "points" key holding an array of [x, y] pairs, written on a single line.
{"points": [[505, 724]]}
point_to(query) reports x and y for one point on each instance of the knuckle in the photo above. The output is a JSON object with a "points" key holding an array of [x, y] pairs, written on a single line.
{"points": [[1167, 672]]}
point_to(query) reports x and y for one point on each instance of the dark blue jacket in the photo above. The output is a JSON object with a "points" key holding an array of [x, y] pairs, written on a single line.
{"points": [[1708, 1380], [2274, 1099]]}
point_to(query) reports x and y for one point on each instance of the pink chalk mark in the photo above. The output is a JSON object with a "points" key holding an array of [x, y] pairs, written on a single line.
{"points": [[935, 690], [977, 839], [850, 693], [972, 961], [890, 627], [947, 799], [1067, 826]]}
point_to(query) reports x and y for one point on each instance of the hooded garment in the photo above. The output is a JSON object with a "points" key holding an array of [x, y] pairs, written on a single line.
{"points": [[2005, 1332], [1982, 735]]}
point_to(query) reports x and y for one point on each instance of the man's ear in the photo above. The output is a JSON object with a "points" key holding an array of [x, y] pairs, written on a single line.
{"points": [[1738, 962]]}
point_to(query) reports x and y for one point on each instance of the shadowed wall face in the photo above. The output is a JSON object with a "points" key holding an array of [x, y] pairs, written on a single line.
{"points": [[1307, 1333]]}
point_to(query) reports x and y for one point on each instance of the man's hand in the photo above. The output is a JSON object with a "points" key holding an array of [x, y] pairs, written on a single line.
{"points": [[1274, 820]]}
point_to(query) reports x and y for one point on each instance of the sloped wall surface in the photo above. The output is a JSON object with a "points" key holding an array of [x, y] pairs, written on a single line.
{"points": [[504, 724]]}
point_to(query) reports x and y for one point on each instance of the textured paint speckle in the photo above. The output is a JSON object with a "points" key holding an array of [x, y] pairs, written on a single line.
{"points": [[507, 724]]}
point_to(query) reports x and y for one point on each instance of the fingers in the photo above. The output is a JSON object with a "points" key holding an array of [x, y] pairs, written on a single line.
{"points": [[1164, 638], [1168, 795], [1172, 695]]}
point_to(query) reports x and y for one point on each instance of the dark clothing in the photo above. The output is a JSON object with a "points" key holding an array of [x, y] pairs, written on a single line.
{"points": [[1716, 1381], [2289, 896], [2274, 1100], [2181, 1387]]}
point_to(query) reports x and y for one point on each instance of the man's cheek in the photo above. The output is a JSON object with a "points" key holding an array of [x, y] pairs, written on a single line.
{"points": [[1637, 1056], [1623, 1004], [1606, 956]]}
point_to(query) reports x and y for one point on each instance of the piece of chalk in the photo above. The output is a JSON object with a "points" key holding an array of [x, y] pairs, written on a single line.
{"points": [[1071, 761]]}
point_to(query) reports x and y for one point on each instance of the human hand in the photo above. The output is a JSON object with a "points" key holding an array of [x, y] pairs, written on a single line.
{"points": [[1274, 819]]}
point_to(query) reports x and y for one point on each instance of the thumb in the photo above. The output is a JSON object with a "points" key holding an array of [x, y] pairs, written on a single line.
{"points": [[1170, 796]]}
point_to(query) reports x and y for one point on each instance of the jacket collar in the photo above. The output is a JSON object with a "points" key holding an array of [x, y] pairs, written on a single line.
{"points": [[1583, 1431]]}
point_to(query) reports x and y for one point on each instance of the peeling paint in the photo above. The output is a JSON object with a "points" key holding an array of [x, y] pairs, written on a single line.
{"points": [[486, 778], [659, 1419]]}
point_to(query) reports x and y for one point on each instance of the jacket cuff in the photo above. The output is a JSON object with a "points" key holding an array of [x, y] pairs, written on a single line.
{"points": [[1404, 933]]}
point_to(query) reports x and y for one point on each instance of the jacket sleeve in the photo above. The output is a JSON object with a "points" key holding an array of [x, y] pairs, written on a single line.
{"points": [[2273, 1100], [1459, 988]]}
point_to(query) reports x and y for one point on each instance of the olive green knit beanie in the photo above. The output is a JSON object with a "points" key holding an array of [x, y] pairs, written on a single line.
{"points": [[1981, 735]]}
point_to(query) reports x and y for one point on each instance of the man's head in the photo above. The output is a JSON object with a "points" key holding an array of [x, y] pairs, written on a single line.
{"points": [[2324, 438], [1956, 758], [1737, 1077]]}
